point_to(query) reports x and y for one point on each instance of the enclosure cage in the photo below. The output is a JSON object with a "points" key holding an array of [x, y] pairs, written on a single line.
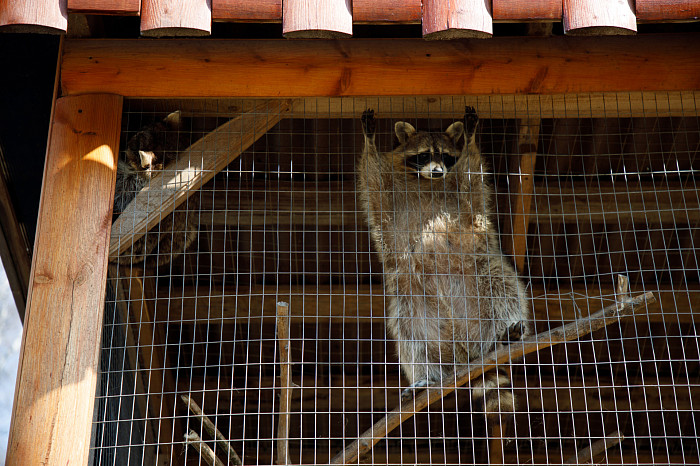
{"points": [[271, 324]]}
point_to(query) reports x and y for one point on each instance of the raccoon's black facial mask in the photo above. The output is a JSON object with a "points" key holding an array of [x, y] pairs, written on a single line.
{"points": [[429, 165]]}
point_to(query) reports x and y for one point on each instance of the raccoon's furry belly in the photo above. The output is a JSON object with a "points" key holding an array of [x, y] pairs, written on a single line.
{"points": [[452, 296]]}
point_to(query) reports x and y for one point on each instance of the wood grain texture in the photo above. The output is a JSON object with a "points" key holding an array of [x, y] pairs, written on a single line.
{"points": [[509, 65], [325, 19], [165, 18], [54, 398], [195, 166], [527, 10], [453, 19], [105, 7], [258, 11], [667, 10], [386, 11], [599, 17], [33, 16]]}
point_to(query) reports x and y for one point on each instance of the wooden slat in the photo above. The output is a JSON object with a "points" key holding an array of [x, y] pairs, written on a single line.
{"points": [[527, 10], [195, 166], [599, 17], [258, 11], [33, 16], [54, 398], [453, 19], [537, 65], [316, 19], [163, 18], [366, 303], [386, 11], [105, 7], [667, 10]]}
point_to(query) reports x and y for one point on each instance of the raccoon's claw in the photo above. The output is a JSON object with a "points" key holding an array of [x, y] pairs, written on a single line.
{"points": [[409, 392], [514, 333], [369, 124], [471, 119]]}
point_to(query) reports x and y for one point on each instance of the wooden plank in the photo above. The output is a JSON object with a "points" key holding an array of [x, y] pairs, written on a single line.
{"points": [[522, 186], [522, 106], [259, 11], [54, 398], [33, 16], [599, 17], [455, 19], [667, 10], [527, 10], [366, 303], [195, 166], [508, 65], [316, 19], [184, 18], [386, 11], [105, 7]]}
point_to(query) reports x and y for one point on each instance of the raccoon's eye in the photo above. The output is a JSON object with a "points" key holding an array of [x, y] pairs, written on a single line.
{"points": [[419, 160], [449, 160]]}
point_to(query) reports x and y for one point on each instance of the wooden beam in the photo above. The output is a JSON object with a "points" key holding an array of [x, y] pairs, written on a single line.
{"points": [[457, 19], [667, 10], [33, 16], [316, 19], [527, 10], [386, 11], [599, 17], [194, 167], [54, 398], [105, 7], [509, 65], [185, 18], [259, 11], [366, 304]]}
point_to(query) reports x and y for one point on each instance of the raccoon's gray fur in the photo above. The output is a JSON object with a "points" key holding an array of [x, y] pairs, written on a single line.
{"points": [[452, 295], [148, 152]]}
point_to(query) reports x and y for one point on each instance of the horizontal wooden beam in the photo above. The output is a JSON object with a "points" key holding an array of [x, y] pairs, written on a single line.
{"points": [[105, 7], [259, 11], [527, 10], [366, 303], [386, 11], [276, 68], [667, 10]]}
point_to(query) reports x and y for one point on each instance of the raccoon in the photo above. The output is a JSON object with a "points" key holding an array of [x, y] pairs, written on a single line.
{"points": [[146, 154], [452, 295]]}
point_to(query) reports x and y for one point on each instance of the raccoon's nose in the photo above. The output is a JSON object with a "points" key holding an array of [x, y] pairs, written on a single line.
{"points": [[437, 171]]}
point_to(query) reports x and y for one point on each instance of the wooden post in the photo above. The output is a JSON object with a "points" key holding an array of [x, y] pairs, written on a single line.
{"points": [[161, 18], [317, 19], [454, 19], [285, 384], [599, 17], [32, 16], [55, 393]]}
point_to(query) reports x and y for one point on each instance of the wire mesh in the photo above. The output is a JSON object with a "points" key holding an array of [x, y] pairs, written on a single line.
{"points": [[587, 188]]}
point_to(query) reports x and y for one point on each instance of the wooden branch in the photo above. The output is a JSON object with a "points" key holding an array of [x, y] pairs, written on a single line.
{"points": [[162, 18], [207, 454], [59, 359], [194, 167], [599, 17], [501, 355], [212, 430], [33, 16], [453, 19], [316, 19], [503, 65], [588, 454], [285, 384]]}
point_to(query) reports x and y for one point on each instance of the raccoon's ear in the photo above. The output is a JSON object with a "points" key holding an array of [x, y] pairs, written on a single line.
{"points": [[403, 131], [455, 131], [174, 120]]}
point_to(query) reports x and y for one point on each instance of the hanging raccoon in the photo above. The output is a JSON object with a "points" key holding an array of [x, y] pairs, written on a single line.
{"points": [[452, 294]]}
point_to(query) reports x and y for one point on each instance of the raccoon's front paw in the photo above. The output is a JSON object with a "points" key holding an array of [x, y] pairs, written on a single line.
{"points": [[471, 119], [369, 124], [513, 333], [409, 393]]}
